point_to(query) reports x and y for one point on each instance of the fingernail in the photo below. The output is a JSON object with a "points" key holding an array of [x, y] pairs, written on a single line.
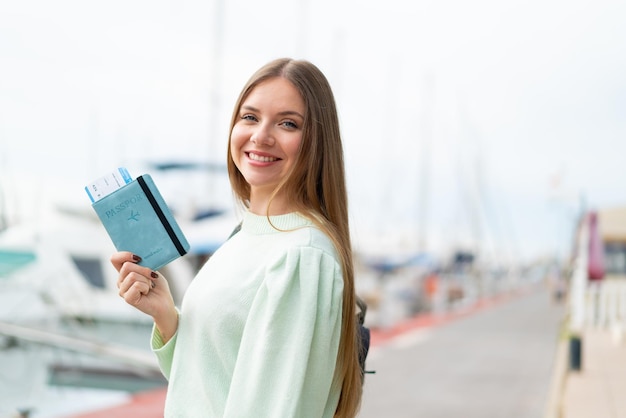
{"points": [[154, 275], [136, 257]]}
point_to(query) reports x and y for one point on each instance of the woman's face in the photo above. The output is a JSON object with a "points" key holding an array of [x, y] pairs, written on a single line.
{"points": [[266, 137]]}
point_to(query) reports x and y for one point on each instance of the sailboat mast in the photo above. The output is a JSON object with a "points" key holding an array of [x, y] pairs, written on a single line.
{"points": [[424, 167], [216, 58]]}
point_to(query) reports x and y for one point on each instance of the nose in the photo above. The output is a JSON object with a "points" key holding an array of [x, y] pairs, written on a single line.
{"points": [[262, 135]]}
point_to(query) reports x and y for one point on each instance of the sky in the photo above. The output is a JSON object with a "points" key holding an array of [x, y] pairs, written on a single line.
{"points": [[486, 124]]}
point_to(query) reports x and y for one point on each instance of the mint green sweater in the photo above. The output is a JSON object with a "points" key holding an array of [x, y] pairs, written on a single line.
{"points": [[259, 327]]}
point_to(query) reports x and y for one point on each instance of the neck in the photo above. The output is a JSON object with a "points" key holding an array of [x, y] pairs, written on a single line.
{"points": [[260, 203]]}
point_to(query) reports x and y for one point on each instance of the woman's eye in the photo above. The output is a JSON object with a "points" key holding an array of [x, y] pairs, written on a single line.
{"points": [[290, 124], [249, 117]]}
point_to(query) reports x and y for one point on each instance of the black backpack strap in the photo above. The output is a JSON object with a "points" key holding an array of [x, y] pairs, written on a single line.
{"points": [[364, 335], [237, 229]]}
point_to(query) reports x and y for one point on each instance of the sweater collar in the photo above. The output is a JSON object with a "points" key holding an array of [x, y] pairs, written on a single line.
{"points": [[259, 224]]}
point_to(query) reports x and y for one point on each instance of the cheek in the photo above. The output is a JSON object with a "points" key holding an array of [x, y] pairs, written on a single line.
{"points": [[236, 142], [292, 148]]}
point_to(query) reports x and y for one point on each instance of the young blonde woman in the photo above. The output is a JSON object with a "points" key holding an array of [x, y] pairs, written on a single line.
{"points": [[268, 327]]}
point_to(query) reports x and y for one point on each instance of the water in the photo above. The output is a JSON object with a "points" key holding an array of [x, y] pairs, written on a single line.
{"points": [[56, 382]]}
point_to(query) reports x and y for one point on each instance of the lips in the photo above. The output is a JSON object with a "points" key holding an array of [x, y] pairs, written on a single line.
{"points": [[261, 158]]}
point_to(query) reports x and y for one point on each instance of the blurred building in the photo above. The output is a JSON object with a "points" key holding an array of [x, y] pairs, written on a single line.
{"points": [[598, 281], [612, 228]]}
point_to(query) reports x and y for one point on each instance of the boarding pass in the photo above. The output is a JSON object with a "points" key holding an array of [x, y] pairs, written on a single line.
{"points": [[107, 184]]}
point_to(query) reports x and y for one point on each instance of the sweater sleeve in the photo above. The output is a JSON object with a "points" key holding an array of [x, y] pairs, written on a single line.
{"points": [[163, 352], [286, 362]]}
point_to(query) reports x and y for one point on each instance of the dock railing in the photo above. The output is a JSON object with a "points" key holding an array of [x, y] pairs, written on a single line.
{"points": [[605, 304]]}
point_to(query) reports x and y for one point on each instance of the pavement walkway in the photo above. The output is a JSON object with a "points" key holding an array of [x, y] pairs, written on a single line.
{"points": [[598, 389]]}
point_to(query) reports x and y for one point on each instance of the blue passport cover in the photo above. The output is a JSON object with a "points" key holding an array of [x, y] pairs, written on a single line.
{"points": [[138, 220]]}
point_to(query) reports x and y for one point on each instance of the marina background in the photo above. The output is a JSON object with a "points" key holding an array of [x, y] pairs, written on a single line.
{"points": [[472, 131], [494, 119]]}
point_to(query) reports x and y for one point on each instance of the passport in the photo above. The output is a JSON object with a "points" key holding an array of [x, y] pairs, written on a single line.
{"points": [[138, 220]]}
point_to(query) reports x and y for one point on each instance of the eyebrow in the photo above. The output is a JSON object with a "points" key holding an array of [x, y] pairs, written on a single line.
{"points": [[283, 113]]}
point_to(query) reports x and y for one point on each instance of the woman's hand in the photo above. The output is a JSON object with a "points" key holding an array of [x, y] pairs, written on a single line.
{"points": [[147, 291]]}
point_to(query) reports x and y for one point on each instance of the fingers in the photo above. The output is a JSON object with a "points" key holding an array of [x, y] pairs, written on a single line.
{"points": [[136, 292], [131, 273], [136, 289], [119, 258]]}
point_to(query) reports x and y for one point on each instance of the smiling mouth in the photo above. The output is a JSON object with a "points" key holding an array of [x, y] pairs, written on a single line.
{"points": [[261, 158]]}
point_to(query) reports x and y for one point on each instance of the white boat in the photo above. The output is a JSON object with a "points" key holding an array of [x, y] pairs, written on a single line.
{"points": [[68, 342]]}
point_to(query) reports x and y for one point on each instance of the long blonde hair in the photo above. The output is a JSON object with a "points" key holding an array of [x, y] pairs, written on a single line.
{"points": [[316, 188]]}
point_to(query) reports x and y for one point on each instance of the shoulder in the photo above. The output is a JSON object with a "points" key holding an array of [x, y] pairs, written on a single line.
{"points": [[312, 238], [308, 266], [304, 250], [292, 230]]}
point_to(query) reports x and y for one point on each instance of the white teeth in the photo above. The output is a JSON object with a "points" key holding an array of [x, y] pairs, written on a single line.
{"points": [[260, 158]]}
